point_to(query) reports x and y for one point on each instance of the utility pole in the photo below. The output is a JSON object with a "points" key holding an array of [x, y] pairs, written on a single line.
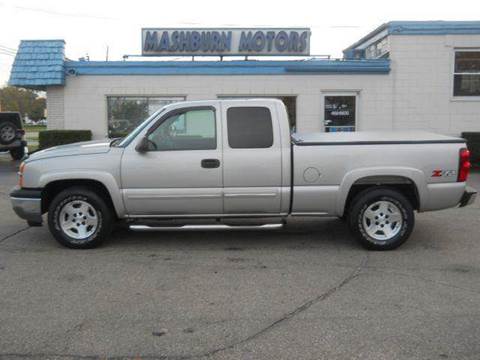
{"points": [[106, 57]]}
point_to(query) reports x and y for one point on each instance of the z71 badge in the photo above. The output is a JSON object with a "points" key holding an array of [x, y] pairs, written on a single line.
{"points": [[444, 173]]}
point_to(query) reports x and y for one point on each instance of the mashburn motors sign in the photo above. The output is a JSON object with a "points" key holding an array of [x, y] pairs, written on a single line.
{"points": [[228, 41]]}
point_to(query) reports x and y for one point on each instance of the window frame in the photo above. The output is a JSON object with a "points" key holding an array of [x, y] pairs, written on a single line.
{"points": [[248, 107], [354, 93], [454, 97], [183, 110]]}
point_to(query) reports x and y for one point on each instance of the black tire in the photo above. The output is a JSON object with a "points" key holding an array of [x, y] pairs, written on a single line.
{"points": [[17, 153], [6, 128], [104, 217], [369, 197]]}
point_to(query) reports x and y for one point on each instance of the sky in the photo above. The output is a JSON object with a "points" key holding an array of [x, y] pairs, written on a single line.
{"points": [[88, 27]]}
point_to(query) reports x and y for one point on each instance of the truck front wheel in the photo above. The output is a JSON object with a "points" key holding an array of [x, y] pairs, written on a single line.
{"points": [[381, 218], [80, 219]]}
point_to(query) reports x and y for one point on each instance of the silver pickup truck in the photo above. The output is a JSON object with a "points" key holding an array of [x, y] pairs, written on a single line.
{"points": [[208, 162]]}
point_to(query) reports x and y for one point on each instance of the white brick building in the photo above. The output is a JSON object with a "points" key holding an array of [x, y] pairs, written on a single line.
{"points": [[403, 75]]}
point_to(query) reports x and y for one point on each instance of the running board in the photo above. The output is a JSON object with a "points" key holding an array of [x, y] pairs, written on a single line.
{"points": [[205, 227]]}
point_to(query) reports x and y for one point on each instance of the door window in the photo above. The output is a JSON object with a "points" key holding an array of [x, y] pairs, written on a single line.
{"points": [[249, 127], [189, 130], [340, 113], [290, 103]]}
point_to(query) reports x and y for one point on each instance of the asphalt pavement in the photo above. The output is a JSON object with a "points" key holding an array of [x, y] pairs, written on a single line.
{"points": [[305, 292]]}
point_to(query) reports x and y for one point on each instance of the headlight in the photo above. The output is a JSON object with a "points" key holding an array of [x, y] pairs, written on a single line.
{"points": [[20, 174]]}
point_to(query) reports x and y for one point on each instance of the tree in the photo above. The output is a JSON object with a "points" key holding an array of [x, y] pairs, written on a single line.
{"points": [[21, 100], [37, 110]]}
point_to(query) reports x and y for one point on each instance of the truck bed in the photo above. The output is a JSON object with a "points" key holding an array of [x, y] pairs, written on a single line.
{"points": [[373, 137]]}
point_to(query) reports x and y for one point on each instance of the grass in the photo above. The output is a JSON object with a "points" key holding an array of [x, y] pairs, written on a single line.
{"points": [[31, 135], [34, 128]]}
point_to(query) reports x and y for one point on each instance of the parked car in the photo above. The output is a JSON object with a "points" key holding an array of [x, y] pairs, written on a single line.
{"points": [[12, 134], [223, 159]]}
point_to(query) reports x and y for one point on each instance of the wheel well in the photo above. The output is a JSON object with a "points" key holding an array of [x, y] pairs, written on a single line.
{"points": [[405, 185], [54, 187]]}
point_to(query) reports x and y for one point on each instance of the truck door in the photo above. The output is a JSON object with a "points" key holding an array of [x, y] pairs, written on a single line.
{"points": [[252, 169], [182, 171]]}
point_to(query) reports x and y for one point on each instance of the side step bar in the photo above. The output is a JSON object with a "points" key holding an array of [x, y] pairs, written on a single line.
{"points": [[205, 227]]}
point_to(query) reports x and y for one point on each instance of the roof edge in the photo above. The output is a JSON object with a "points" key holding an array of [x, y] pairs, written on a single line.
{"points": [[430, 27]]}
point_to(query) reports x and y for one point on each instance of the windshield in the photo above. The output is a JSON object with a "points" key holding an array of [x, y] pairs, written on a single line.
{"points": [[128, 139]]}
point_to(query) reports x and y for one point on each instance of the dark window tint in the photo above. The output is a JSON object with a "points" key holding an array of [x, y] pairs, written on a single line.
{"points": [[249, 127]]}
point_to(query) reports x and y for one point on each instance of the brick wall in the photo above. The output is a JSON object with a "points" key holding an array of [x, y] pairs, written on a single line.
{"points": [[422, 78], [55, 107], [86, 104]]}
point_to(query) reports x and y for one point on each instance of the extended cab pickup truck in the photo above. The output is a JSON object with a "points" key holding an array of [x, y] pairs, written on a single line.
{"points": [[203, 161]]}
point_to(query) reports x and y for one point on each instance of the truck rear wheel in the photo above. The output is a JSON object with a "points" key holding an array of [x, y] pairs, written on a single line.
{"points": [[381, 218], [80, 219]]}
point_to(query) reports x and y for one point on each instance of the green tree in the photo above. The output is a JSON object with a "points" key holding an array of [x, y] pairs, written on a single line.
{"points": [[17, 99], [37, 110]]}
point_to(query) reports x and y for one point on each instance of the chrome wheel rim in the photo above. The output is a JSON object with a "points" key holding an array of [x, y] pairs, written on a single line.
{"points": [[7, 133], [382, 220], [78, 219]]}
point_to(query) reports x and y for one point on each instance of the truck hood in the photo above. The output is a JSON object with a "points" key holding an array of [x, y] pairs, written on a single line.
{"points": [[80, 148]]}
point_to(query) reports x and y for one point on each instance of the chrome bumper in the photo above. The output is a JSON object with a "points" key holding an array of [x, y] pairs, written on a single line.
{"points": [[27, 204], [468, 197]]}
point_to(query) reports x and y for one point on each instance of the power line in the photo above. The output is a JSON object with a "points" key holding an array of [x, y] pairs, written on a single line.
{"points": [[7, 54], [7, 47], [57, 13]]}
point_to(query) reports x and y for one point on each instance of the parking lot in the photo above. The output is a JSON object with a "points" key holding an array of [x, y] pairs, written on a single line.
{"points": [[305, 292]]}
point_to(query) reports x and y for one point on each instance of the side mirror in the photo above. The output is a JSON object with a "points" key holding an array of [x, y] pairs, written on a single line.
{"points": [[142, 146]]}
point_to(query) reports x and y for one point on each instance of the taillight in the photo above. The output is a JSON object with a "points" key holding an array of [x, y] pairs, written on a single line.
{"points": [[20, 133], [464, 167]]}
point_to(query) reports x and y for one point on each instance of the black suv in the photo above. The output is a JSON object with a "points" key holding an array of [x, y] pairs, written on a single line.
{"points": [[12, 134]]}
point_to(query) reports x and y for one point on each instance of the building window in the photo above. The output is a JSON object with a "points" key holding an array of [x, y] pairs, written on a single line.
{"points": [[466, 79], [379, 49], [190, 130], [126, 112], [249, 127], [340, 113]]}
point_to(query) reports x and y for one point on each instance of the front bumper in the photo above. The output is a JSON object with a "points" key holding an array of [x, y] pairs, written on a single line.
{"points": [[27, 203], [468, 197]]}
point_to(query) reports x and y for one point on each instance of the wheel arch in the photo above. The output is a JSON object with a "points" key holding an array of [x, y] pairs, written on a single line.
{"points": [[410, 182], [104, 187]]}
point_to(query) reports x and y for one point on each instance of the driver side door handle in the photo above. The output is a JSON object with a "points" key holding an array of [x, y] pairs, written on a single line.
{"points": [[210, 163]]}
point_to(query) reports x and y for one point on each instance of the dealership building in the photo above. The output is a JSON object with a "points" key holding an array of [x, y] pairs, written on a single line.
{"points": [[403, 75]]}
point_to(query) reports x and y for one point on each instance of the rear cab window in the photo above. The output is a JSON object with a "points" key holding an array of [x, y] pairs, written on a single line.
{"points": [[249, 127]]}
